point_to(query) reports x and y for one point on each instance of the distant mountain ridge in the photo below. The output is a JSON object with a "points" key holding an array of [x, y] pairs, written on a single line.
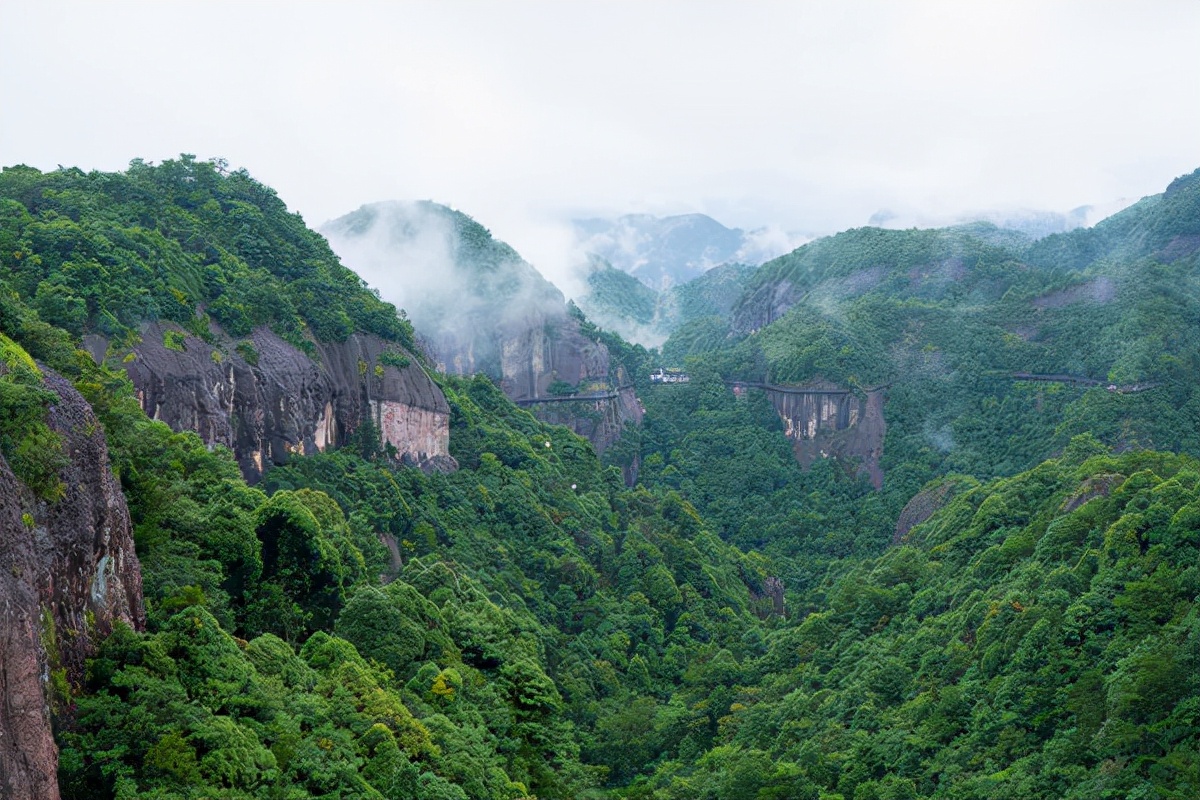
{"points": [[951, 323], [1032, 222], [667, 251]]}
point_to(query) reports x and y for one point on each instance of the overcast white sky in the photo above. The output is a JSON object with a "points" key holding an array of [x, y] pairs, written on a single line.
{"points": [[809, 116]]}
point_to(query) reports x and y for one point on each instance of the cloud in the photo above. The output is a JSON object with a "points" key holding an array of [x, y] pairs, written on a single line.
{"points": [[461, 292], [798, 116], [407, 252]]}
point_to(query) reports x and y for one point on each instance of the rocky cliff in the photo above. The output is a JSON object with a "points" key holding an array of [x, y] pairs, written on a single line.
{"points": [[483, 309], [825, 421], [267, 400], [535, 355], [68, 572], [542, 352], [599, 417], [764, 303]]}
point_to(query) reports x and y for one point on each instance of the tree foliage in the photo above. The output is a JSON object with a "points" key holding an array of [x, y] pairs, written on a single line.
{"points": [[530, 626]]}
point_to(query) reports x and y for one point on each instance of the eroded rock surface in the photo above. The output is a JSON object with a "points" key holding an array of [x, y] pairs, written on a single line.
{"points": [[824, 421], [28, 757], [538, 351], [267, 400], [68, 572], [923, 505]]}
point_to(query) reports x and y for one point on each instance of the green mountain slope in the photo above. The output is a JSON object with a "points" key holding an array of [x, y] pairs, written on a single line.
{"points": [[357, 629], [1012, 616], [615, 296], [953, 321], [1037, 638], [103, 252]]}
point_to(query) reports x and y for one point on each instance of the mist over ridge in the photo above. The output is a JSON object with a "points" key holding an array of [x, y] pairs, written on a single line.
{"points": [[442, 267], [666, 251], [705, 401], [455, 280], [884, 445]]}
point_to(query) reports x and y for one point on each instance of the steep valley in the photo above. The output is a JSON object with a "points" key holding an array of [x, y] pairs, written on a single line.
{"points": [[923, 522]]}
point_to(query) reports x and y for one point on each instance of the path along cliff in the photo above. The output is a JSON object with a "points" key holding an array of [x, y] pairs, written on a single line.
{"points": [[823, 420]]}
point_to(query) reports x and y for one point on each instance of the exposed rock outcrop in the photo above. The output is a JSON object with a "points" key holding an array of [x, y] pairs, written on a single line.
{"points": [[544, 350], [923, 505], [1095, 486], [28, 757], [483, 309], [763, 304], [825, 421], [68, 572], [537, 355], [598, 418], [267, 400]]}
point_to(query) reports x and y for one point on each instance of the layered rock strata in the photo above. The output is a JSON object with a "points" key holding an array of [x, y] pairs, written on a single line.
{"points": [[267, 400]]}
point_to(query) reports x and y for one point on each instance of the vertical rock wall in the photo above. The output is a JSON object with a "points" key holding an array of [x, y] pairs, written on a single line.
{"points": [[554, 350], [28, 757], [763, 305], [827, 421], [267, 400], [68, 572], [529, 354], [806, 414], [91, 576], [408, 428]]}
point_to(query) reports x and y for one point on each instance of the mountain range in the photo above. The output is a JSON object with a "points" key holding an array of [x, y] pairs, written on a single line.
{"points": [[662, 252], [922, 521]]}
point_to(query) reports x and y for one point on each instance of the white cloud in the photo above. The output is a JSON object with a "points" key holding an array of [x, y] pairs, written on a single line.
{"points": [[800, 116]]}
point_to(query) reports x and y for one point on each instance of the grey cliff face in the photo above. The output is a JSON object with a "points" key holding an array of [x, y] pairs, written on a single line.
{"points": [[762, 306], [267, 400], [538, 355], [28, 757], [539, 350], [600, 420], [68, 572], [825, 421]]}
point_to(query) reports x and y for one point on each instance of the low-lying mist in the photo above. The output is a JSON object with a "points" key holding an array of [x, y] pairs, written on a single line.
{"points": [[453, 280]]}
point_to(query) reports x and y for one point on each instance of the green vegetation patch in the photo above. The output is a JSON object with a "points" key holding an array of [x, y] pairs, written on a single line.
{"points": [[34, 452]]}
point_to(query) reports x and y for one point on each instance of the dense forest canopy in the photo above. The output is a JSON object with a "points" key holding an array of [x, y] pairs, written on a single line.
{"points": [[185, 241], [734, 626]]}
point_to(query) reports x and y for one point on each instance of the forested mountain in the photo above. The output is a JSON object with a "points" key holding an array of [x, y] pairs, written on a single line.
{"points": [[662, 252], [230, 316], [988, 351], [457, 283], [618, 302], [483, 309], [1011, 614]]}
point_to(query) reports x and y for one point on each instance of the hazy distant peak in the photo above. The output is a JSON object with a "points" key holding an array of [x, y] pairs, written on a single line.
{"points": [[669, 251], [1035, 223]]}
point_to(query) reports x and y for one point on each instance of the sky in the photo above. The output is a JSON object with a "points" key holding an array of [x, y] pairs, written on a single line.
{"points": [[805, 116]]}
